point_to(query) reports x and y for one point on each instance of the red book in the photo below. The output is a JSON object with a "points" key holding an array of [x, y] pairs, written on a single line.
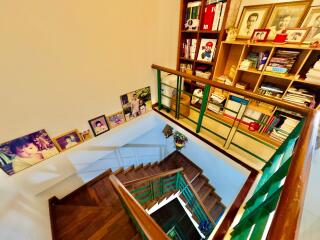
{"points": [[208, 17]]}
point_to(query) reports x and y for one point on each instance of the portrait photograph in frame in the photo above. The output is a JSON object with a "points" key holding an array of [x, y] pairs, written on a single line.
{"points": [[296, 35], [312, 21], [136, 103], [252, 17], [116, 119], [23, 152], [260, 35], [286, 15], [99, 125], [68, 140]]}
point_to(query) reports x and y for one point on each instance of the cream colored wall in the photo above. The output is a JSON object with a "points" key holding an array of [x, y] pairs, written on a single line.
{"points": [[237, 6], [64, 62]]}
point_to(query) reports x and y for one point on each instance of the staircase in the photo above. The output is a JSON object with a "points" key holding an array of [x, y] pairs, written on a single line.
{"points": [[94, 211]]}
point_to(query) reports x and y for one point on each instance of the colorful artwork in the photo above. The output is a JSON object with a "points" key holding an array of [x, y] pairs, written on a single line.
{"points": [[136, 103], [23, 152]]}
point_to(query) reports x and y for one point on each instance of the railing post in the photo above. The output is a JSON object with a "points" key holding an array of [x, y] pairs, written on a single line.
{"points": [[159, 89], [203, 106], [178, 96]]}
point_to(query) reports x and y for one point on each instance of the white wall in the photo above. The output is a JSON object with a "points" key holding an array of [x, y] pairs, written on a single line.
{"points": [[65, 62]]}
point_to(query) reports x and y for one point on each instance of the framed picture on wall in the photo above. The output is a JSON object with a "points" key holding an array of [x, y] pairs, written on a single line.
{"points": [[136, 103], [23, 152], [312, 21], [99, 125], [286, 15], [260, 35], [116, 119], [252, 17], [68, 140]]}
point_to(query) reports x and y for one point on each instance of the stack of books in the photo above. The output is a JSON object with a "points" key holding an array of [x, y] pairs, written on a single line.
{"points": [[283, 127], [189, 48], [255, 60], [269, 89], [313, 74], [225, 80], [216, 101], [242, 85], [213, 15], [283, 61], [192, 16], [203, 71], [300, 97]]}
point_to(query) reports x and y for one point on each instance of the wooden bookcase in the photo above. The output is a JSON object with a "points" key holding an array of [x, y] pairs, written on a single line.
{"points": [[199, 34], [232, 53]]}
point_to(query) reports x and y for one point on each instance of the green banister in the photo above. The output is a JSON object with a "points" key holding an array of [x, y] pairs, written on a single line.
{"points": [[203, 106], [159, 89]]}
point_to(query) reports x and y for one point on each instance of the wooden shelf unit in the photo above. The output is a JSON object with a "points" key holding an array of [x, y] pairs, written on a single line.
{"points": [[232, 53], [199, 34]]}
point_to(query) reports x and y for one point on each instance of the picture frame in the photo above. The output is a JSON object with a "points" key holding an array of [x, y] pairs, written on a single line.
{"points": [[136, 103], [252, 17], [286, 15], [116, 119], [312, 21], [23, 152], [296, 35], [260, 35], [99, 125], [86, 135], [68, 140]]}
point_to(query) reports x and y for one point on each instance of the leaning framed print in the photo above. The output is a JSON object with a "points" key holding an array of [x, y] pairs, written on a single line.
{"points": [[68, 140], [99, 125], [286, 15], [23, 152], [312, 21], [252, 17], [296, 35]]}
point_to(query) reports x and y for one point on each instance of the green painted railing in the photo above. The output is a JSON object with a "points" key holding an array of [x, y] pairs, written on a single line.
{"points": [[146, 191], [259, 208], [233, 125]]}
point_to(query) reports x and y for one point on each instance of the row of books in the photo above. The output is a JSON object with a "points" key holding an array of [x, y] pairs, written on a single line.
{"points": [[281, 126], [192, 16], [300, 97], [213, 15], [207, 49], [270, 90], [258, 59], [282, 61]]}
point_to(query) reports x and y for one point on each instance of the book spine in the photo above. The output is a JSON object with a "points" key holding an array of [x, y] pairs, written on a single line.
{"points": [[224, 5], [216, 17]]}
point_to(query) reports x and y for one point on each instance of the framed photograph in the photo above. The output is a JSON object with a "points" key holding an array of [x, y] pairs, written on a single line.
{"points": [[68, 140], [260, 35], [286, 15], [86, 135], [116, 119], [252, 17], [99, 125], [136, 103], [23, 152], [296, 35], [312, 21]]}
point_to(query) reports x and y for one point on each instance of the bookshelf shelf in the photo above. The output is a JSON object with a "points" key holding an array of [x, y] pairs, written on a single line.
{"points": [[286, 87], [289, 77], [212, 30]]}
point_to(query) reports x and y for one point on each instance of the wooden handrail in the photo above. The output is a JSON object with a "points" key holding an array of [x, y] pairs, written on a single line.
{"points": [[285, 224], [149, 227], [258, 97], [152, 177], [198, 198]]}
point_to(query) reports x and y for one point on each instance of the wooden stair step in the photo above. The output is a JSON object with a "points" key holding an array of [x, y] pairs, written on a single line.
{"points": [[199, 182], [204, 191], [210, 201], [81, 197], [217, 210]]}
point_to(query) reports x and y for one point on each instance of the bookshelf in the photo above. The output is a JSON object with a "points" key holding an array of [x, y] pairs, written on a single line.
{"points": [[228, 63], [198, 34]]}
